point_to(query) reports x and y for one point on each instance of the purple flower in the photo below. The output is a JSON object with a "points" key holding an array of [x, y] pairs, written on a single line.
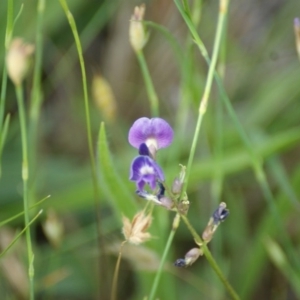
{"points": [[156, 133], [144, 170]]}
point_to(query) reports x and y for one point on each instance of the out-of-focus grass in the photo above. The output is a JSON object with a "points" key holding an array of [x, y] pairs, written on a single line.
{"points": [[261, 78]]}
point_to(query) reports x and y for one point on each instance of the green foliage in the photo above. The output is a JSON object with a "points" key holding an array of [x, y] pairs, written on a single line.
{"points": [[245, 152]]}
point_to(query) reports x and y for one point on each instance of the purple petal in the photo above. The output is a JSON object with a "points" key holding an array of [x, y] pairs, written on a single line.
{"points": [[162, 131], [159, 172], [144, 150], [140, 185], [151, 180], [144, 170], [145, 129]]}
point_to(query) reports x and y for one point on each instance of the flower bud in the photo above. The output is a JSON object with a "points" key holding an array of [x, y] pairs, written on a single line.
{"points": [[176, 186], [137, 34], [190, 257], [18, 60], [53, 228], [104, 98], [178, 182], [219, 215], [166, 202]]}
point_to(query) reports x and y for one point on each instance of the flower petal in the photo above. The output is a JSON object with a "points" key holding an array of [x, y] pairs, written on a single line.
{"points": [[144, 150], [144, 170], [150, 131]]}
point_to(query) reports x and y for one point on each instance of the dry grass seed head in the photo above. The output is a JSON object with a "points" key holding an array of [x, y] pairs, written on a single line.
{"points": [[135, 231]]}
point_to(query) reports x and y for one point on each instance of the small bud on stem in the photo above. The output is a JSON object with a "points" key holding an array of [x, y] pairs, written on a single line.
{"points": [[18, 60], [137, 34]]}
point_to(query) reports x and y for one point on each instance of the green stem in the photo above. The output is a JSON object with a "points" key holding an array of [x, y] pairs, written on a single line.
{"points": [[22, 213], [19, 234], [8, 34], [36, 98], [164, 256], [149, 84], [25, 177], [209, 80], [202, 111], [85, 92], [256, 161], [9, 23], [257, 164], [102, 266], [210, 259]]}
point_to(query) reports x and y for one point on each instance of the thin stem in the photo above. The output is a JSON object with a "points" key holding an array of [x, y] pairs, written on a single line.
{"points": [[19, 234], [202, 111], [25, 177], [257, 165], [210, 259], [114, 287], [164, 256], [149, 84], [256, 160], [209, 80], [36, 98], [8, 34], [102, 266], [22, 213]]}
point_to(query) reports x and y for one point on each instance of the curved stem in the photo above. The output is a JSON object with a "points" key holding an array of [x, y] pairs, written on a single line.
{"points": [[102, 266]]}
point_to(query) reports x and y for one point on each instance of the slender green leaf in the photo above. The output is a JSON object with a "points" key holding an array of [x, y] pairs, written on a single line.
{"points": [[120, 196]]}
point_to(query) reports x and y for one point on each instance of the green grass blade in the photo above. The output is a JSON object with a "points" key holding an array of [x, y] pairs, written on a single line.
{"points": [[120, 196], [22, 213], [19, 235]]}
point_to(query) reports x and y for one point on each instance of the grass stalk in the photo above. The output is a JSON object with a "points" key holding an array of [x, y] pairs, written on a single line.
{"points": [[36, 97], [114, 287], [8, 34], [19, 234], [202, 111], [164, 256], [208, 85], [102, 266], [154, 107], [25, 178], [22, 213], [256, 161]]}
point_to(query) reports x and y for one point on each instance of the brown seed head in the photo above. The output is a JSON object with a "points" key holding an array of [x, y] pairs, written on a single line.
{"points": [[135, 231]]}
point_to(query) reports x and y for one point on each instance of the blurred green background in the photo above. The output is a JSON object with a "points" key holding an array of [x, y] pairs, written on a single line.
{"points": [[262, 79]]}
